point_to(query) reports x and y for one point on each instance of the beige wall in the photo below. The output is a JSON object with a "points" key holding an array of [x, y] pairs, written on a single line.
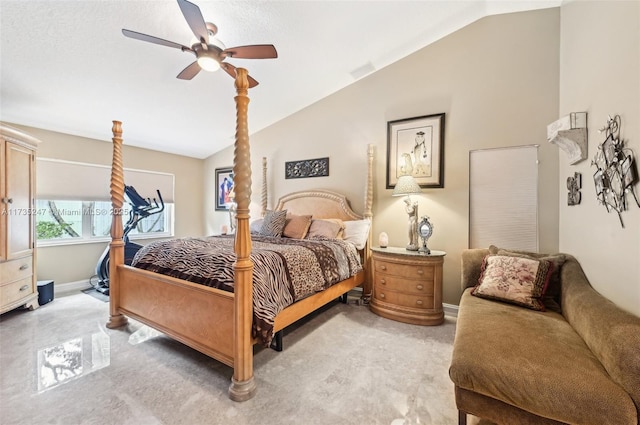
{"points": [[600, 74], [72, 263], [497, 81]]}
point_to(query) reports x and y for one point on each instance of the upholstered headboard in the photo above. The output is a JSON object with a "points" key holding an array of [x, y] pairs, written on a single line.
{"points": [[318, 203]]}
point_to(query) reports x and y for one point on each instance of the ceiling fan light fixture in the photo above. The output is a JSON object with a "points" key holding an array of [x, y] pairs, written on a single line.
{"points": [[208, 63]]}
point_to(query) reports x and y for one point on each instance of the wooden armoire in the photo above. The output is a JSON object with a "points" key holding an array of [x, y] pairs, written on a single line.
{"points": [[18, 282]]}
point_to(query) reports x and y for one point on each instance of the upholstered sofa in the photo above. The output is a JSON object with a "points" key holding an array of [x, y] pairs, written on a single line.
{"points": [[577, 362]]}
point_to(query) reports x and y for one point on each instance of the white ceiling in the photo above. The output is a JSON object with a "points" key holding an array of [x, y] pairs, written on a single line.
{"points": [[65, 65]]}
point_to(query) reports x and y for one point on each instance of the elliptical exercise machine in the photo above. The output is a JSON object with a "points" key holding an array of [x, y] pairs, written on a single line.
{"points": [[140, 209]]}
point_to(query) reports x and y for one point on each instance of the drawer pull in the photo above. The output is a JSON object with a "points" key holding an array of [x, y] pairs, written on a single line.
{"points": [[24, 267], [419, 287], [24, 288], [383, 282], [419, 302], [381, 295], [420, 271], [383, 267]]}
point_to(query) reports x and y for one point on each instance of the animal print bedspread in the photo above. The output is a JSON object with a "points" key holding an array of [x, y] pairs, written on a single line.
{"points": [[285, 270]]}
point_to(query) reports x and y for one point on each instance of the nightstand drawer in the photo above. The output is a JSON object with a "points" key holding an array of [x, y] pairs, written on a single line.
{"points": [[16, 269], [405, 300], [414, 286], [413, 271], [15, 291]]}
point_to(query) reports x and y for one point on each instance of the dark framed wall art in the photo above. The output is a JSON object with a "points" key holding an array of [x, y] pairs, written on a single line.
{"points": [[224, 188], [415, 146]]}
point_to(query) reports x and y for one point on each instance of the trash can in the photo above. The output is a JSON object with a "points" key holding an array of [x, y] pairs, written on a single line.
{"points": [[45, 291]]}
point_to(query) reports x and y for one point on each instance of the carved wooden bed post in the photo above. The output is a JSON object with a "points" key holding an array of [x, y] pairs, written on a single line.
{"points": [[242, 386], [263, 197], [116, 248], [368, 214]]}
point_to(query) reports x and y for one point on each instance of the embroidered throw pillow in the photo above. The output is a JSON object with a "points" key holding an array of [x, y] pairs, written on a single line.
{"points": [[552, 294], [273, 223], [296, 226], [517, 280]]}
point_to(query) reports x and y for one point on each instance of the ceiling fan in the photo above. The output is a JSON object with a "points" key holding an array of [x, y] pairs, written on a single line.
{"points": [[209, 51]]}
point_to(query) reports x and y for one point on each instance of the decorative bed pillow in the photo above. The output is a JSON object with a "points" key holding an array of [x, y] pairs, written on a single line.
{"points": [[357, 231], [296, 226], [517, 280], [321, 228], [552, 294], [273, 223], [256, 225]]}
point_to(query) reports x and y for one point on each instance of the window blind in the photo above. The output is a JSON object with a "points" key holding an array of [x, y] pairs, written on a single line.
{"points": [[503, 198], [68, 180]]}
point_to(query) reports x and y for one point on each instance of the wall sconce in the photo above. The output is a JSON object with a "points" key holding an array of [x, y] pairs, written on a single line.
{"points": [[407, 185], [570, 134]]}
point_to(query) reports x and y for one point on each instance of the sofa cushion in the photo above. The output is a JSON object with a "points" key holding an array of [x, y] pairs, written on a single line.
{"points": [[517, 280], [536, 361]]}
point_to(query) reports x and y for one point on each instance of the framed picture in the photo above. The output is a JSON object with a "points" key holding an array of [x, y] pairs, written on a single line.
{"points": [[224, 188], [415, 146]]}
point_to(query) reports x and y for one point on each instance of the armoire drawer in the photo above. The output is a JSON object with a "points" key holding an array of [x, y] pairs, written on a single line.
{"points": [[16, 269], [15, 291]]}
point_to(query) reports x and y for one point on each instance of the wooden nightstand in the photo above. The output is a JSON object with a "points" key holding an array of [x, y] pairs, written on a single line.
{"points": [[407, 285]]}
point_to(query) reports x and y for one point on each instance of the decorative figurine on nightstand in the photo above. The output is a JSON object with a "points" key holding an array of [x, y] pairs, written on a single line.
{"points": [[425, 230]]}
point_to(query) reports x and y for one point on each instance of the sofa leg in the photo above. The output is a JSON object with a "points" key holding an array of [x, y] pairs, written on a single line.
{"points": [[462, 418]]}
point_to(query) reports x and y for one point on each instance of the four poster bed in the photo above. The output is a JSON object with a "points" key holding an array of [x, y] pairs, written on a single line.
{"points": [[214, 321]]}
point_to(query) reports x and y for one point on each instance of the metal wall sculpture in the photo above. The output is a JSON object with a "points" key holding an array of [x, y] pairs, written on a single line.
{"points": [[616, 171], [318, 167], [574, 184]]}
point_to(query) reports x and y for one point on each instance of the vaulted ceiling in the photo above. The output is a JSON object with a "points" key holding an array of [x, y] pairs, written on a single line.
{"points": [[65, 65]]}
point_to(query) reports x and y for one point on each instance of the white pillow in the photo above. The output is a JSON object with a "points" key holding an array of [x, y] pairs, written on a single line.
{"points": [[357, 231], [256, 225]]}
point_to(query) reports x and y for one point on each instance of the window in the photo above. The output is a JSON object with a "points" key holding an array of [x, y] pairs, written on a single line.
{"points": [[60, 222], [74, 204], [503, 198]]}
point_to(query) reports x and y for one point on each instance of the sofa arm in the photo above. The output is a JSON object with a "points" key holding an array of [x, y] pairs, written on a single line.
{"points": [[471, 264], [611, 333]]}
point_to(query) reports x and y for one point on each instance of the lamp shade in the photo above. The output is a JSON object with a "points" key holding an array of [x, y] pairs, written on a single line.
{"points": [[406, 185]]}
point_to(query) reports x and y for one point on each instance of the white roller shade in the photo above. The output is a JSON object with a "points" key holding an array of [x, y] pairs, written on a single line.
{"points": [[503, 198], [67, 180]]}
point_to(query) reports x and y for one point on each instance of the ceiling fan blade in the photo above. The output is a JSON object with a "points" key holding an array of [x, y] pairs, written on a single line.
{"points": [[231, 70], [190, 71], [155, 40], [195, 20], [256, 51], [252, 81]]}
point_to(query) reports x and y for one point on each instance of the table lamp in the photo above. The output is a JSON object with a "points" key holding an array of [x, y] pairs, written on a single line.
{"points": [[407, 185]]}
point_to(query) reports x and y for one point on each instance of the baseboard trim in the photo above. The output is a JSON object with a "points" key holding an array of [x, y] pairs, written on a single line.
{"points": [[69, 288], [450, 310]]}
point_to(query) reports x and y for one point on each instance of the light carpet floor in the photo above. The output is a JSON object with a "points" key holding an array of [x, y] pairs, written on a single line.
{"points": [[345, 365]]}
